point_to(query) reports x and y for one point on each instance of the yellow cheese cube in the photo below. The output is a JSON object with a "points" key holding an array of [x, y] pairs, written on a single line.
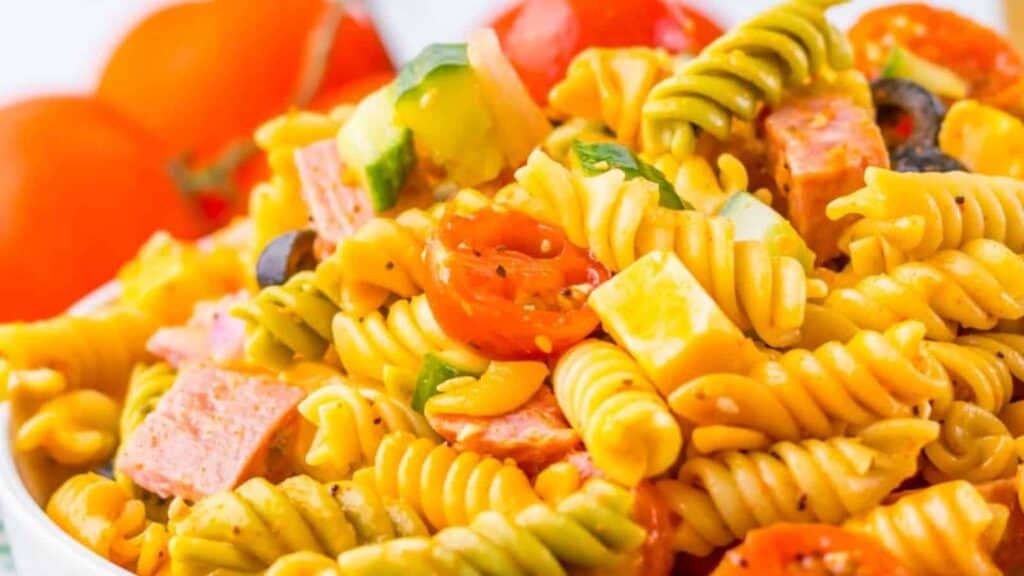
{"points": [[660, 314]]}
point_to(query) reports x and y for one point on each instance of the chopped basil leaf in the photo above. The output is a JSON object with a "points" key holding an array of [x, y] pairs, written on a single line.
{"points": [[599, 157]]}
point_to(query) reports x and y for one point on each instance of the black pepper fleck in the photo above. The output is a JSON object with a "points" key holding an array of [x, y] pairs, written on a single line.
{"points": [[500, 271]]}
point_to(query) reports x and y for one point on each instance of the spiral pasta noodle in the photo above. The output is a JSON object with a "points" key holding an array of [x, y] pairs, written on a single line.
{"points": [[619, 221], [755, 63], [503, 388], [592, 529], [973, 287], [697, 182], [100, 514], [945, 530], [973, 445], [446, 487], [148, 385], [96, 351], [719, 499], [611, 85], [978, 374], [921, 214], [814, 394], [625, 425], [350, 424], [368, 346], [249, 528], [985, 139], [77, 429]]}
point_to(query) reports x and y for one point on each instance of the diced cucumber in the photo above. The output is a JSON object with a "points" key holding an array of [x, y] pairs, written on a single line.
{"points": [[755, 220], [599, 157], [942, 81], [434, 372], [377, 150], [440, 99]]}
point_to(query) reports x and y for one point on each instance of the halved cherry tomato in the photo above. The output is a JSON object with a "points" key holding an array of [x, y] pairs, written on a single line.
{"points": [[541, 37], [651, 512], [809, 550], [510, 286], [979, 55]]}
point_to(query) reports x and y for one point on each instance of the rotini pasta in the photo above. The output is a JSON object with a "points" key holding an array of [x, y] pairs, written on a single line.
{"points": [[446, 487], [503, 388], [921, 214], [625, 424], [720, 499], [611, 85], [248, 529], [100, 514], [590, 529], [973, 287], [350, 424], [696, 182], [814, 394], [148, 384], [973, 445], [977, 374], [946, 530], [368, 346], [77, 429], [619, 222], [781, 48]]}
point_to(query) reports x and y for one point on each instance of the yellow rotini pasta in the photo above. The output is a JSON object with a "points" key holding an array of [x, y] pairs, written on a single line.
{"points": [[304, 564], [977, 374], [99, 513], [921, 214], [558, 143], [973, 445], [986, 139], [96, 351], [719, 499], [367, 346], [814, 394], [945, 530], [446, 487], [556, 482], [626, 426], [696, 181], [248, 529], [611, 85], [619, 221], [350, 424], [592, 529], [754, 63], [973, 287], [503, 388], [78, 429]]}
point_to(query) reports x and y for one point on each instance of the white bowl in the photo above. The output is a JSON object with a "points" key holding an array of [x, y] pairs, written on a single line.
{"points": [[39, 547]]}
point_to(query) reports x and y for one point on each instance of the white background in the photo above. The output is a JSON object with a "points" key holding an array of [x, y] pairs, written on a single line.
{"points": [[58, 45]]}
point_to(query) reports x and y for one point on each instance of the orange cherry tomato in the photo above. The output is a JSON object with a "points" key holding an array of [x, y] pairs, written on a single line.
{"points": [[510, 286], [982, 57], [541, 37], [81, 188], [809, 550]]}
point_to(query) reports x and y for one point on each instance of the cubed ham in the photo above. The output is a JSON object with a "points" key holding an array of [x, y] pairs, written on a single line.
{"points": [[338, 209], [212, 335], [534, 436], [214, 429], [818, 149]]}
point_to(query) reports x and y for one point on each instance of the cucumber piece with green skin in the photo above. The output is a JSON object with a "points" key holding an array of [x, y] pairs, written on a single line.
{"points": [[376, 149], [434, 372], [755, 220], [439, 98], [903, 63]]}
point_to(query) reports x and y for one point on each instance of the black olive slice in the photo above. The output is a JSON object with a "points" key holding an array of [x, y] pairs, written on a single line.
{"points": [[896, 96], [285, 256], [924, 159]]}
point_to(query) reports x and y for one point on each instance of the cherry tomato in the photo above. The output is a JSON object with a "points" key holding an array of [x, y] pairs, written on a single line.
{"points": [[979, 55], [510, 286], [651, 512], [810, 550], [81, 188], [541, 37]]}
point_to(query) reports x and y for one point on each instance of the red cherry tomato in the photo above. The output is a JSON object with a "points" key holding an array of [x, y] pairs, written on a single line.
{"points": [[541, 37], [809, 550], [979, 55], [510, 286]]}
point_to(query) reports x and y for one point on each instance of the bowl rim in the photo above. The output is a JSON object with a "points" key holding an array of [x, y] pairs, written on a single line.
{"points": [[19, 502]]}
